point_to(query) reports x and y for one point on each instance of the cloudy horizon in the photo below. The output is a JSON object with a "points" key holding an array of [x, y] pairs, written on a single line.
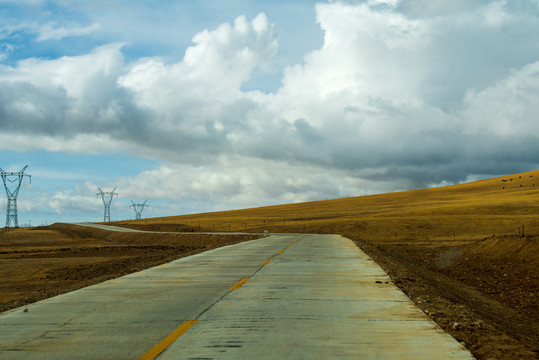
{"points": [[204, 106]]}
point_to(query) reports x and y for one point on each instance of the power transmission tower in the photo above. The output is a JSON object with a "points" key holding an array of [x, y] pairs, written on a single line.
{"points": [[138, 208], [107, 199], [16, 179]]}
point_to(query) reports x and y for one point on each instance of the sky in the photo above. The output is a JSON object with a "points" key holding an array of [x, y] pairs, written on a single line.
{"points": [[198, 106]]}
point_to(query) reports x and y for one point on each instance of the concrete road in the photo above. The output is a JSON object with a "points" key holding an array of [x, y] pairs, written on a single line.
{"points": [[282, 297]]}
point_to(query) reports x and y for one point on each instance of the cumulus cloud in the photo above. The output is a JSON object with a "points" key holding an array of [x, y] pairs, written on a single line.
{"points": [[238, 181], [211, 72], [63, 97], [402, 94], [196, 104]]}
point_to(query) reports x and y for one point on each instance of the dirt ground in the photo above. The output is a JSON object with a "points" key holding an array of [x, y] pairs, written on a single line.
{"points": [[46, 261], [486, 301]]}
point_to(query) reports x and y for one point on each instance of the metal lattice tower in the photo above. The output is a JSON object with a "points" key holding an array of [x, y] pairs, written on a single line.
{"points": [[107, 199], [138, 208], [15, 179]]}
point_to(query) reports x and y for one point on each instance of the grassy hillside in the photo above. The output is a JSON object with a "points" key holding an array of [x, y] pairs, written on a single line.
{"points": [[462, 212]]}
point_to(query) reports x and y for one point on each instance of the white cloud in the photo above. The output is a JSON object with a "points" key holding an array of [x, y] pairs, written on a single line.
{"points": [[65, 97], [67, 201], [506, 108], [252, 182], [496, 14], [75, 143], [367, 56], [213, 69], [50, 31], [81, 77]]}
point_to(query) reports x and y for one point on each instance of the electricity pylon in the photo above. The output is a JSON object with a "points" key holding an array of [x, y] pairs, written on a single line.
{"points": [[15, 179], [138, 208], [107, 199]]}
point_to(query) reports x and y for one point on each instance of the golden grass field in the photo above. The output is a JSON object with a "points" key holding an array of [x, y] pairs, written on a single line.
{"points": [[463, 212]]}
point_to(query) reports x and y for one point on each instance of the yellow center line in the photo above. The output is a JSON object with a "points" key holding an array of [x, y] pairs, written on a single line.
{"points": [[242, 281], [160, 347]]}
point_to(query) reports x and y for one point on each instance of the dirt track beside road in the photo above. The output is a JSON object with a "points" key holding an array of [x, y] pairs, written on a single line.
{"points": [[38, 263]]}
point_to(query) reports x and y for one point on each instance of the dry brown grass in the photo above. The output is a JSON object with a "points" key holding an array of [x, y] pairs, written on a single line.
{"points": [[463, 212]]}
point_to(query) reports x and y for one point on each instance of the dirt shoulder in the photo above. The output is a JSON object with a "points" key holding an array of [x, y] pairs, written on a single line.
{"points": [[43, 262], [461, 290]]}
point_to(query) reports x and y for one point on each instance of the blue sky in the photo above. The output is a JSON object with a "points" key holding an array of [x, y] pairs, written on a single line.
{"points": [[199, 106]]}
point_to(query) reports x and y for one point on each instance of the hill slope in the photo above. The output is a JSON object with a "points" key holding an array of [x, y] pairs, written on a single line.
{"points": [[459, 212]]}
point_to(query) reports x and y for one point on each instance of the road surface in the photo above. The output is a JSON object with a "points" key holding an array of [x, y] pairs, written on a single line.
{"points": [[281, 297]]}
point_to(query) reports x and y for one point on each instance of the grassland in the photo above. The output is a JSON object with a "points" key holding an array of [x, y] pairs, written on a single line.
{"points": [[463, 212]]}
